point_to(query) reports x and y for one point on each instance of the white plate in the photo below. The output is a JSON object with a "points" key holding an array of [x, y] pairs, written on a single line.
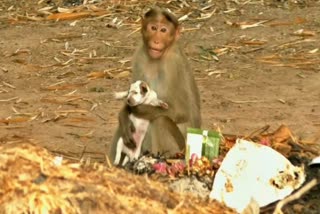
{"points": [[253, 171], [315, 161]]}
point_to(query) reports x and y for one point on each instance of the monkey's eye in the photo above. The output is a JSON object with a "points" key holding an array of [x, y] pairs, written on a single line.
{"points": [[153, 28], [163, 30]]}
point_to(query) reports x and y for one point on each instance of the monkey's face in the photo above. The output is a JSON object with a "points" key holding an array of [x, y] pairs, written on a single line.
{"points": [[158, 35], [138, 93]]}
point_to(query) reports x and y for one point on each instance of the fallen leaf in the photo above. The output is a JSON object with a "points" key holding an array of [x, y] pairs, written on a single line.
{"points": [[64, 10], [254, 42], [123, 74], [14, 120], [303, 32], [281, 135], [314, 51], [64, 87], [68, 16], [99, 74]]}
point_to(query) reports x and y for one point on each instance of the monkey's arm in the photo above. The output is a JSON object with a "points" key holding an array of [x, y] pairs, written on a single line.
{"points": [[126, 127], [150, 113]]}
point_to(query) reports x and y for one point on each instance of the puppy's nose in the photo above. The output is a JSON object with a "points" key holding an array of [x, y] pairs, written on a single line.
{"points": [[130, 101]]}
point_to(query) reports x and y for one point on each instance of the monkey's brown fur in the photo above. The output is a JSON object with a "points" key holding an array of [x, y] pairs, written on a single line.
{"points": [[160, 62]]}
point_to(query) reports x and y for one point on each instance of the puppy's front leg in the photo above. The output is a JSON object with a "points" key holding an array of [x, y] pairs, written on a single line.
{"points": [[129, 154], [125, 160], [119, 149]]}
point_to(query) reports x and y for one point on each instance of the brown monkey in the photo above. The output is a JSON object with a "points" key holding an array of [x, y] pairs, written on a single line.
{"points": [[160, 62]]}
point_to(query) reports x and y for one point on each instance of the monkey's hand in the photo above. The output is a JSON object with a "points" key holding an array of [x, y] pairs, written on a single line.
{"points": [[126, 128], [163, 105]]}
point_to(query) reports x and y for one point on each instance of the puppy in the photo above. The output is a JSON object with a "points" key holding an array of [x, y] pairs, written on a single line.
{"points": [[139, 93]]}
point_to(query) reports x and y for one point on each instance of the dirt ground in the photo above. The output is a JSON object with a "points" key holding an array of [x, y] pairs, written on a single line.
{"points": [[256, 63], [265, 75]]}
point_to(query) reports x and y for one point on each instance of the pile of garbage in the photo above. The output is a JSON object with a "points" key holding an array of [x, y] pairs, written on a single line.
{"points": [[35, 181], [246, 171]]}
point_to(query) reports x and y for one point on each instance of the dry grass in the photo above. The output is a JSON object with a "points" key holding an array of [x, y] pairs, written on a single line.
{"points": [[32, 183]]}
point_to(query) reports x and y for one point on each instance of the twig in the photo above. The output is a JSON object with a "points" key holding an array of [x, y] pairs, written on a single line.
{"points": [[83, 151], [101, 117], [108, 162], [82, 111], [12, 127], [294, 42], [295, 196], [10, 99], [258, 131], [253, 50], [197, 60], [136, 30], [245, 101], [8, 85]]}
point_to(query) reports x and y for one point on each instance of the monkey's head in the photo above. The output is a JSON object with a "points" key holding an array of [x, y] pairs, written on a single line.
{"points": [[160, 29], [138, 93]]}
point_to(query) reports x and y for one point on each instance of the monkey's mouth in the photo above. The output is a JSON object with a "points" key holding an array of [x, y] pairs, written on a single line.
{"points": [[155, 53]]}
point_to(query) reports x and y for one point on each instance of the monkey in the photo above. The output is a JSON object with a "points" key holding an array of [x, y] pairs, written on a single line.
{"points": [[160, 62]]}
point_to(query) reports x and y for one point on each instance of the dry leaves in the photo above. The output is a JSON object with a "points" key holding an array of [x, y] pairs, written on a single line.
{"points": [[108, 74]]}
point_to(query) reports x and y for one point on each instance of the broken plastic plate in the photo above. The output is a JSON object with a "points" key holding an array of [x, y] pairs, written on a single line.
{"points": [[315, 161], [253, 171]]}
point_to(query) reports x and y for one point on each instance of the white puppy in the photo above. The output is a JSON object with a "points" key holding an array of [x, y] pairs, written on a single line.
{"points": [[139, 93]]}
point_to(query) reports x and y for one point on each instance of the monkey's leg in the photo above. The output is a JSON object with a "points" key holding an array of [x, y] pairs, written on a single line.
{"points": [[165, 137]]}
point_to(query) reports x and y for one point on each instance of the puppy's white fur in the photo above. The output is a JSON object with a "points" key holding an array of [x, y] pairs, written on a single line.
{"points": [[139, 93], [121, 95]]}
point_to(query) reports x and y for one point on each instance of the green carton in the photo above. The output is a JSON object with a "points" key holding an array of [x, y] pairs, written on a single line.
{"points": [[202, 143]]}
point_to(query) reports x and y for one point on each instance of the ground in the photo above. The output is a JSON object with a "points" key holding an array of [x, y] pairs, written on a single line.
{"points": [[256, 63], [264, 75]]}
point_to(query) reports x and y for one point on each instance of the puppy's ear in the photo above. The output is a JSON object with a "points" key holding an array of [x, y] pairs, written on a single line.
{"points": [[143, 88], [121, 95]]}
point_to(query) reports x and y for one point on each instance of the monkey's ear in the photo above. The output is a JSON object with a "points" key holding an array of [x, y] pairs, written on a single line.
{"points": [[144, 17], [142, 22], [178, 32]]}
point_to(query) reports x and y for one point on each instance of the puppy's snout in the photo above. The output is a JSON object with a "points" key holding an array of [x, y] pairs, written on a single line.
{"points": [[130, 101]]}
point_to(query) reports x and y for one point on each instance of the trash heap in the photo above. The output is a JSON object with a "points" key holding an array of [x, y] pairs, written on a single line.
{"points": [[252, 170], [35, 181]]}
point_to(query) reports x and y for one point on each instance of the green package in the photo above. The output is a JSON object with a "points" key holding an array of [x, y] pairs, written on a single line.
{"points": [[210, 142]]}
